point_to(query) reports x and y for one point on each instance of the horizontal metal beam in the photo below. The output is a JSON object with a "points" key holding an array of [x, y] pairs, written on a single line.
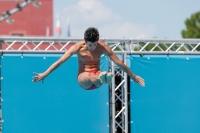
{"points": [[8, 38], [158, 52], [31, 52], [141, 53], [104, 39]]}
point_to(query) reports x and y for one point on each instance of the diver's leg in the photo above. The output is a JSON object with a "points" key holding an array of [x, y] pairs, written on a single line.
{"points": [[101, 78], [109, 76], [84, 80]]}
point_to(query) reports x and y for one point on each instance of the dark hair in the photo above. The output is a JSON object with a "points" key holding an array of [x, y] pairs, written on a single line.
{"points": [[91, 34]]}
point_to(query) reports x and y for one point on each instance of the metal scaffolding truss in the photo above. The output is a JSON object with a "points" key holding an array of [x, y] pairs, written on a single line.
{"points": [[129, 46], [119, 99], [119, 122]]}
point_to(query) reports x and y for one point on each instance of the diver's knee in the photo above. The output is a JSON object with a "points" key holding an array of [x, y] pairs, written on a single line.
{"points": [[93, 79]]}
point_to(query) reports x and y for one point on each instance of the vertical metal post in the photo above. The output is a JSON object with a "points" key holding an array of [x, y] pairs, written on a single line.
{"points": [[126, 96], [113, 98], [122, 93]]}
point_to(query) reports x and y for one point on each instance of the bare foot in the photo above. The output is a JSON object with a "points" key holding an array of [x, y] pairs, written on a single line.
{"points": [[109, 77], [102, 77]]}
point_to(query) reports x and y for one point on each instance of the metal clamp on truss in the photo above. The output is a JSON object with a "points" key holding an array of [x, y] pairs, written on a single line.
{"points": [[6, 15]]}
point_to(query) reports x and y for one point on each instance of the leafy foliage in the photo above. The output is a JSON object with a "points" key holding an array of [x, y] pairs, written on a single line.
{"points": [[192, 27]]}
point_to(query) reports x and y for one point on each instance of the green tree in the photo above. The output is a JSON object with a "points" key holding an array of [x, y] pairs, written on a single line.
{"points": [[192, 27]]}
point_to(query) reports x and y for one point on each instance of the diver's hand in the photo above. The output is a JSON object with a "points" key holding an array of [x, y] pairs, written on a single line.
{"points": [[39, 77], [139, 80]]}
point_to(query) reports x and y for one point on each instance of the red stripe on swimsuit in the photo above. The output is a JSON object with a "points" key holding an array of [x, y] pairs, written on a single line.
{"points": [[92, 71]]}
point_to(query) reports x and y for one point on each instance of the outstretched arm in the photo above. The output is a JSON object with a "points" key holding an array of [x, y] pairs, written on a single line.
{"points": [[119, 63], [73, 49]]}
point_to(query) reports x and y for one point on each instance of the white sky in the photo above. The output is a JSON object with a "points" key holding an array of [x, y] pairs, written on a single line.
{"points": [[125, 18]]}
